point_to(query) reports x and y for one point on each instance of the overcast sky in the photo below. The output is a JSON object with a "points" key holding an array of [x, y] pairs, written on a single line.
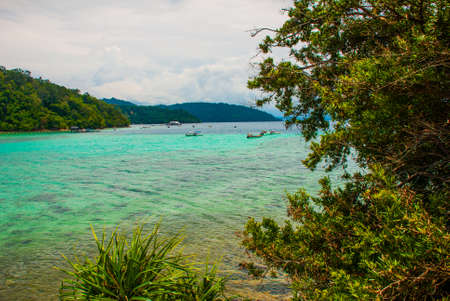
{"points": [[150, 51]]}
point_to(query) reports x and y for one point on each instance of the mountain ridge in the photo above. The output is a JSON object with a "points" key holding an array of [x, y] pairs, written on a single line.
{"points": [[139, 114], [223, 112], [203, 111]]}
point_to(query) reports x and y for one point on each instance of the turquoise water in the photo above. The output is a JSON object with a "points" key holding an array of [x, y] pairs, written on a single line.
{"points": [[54, 185]]}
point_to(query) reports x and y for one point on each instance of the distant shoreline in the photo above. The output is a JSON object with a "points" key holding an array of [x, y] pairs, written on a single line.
{"points": [[34, 131], [135, 124], [49, 131]]}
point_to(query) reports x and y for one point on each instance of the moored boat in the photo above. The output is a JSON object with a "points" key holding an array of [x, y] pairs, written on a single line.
{"points": [[194, 133], [174, 123], [250, 135]]}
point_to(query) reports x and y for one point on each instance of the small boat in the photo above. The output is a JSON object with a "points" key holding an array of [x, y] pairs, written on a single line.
{"points": [[274, 132], [194, 133], [174, 123], [250, 135], [75, 129], [91, 130]]}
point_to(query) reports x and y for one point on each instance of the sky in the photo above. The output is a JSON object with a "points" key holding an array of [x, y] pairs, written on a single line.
{"points": [[147, 51]]}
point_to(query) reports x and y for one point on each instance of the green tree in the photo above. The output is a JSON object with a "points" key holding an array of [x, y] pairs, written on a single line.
{"points": [[371, 78], [28, 104]]}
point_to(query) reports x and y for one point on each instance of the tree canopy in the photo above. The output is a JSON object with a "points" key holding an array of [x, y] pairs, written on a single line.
{"points": [[27, 104], [380, 70]]}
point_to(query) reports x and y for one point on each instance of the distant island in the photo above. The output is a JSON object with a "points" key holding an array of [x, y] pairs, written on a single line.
{"points": [[151, 114], [223, 112], [34, 104], [190, 112]]}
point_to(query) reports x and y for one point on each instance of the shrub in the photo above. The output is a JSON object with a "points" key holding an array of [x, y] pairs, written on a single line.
{"points": [[146, 268], [367, 240]]}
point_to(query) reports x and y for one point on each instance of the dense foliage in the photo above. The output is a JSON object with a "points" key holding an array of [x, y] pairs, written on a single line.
{"points": [[27, 104], [119, 102], [145, 268], [369, 239], [222, 112], [154, 115], [151, 114], [380, 70]]}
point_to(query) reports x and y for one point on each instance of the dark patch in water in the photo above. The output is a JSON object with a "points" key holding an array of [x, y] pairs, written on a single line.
{"points": [[43, 198], [7, 225], [134, 215], [59, 209], [9, 244], [26, 241], [137, 190], [209, 217], [276, 205], [183, 179], [18, 232]]}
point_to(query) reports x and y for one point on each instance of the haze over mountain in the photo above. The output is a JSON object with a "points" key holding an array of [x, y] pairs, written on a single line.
{"points": [[190, 112], [223, 112], [151, 114]]}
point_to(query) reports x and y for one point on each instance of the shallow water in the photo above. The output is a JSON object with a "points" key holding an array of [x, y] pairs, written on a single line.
{"points": [[54, 185]]}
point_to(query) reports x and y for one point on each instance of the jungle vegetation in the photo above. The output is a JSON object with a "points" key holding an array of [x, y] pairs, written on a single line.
{"points": [[380, 70], [28, 104]]}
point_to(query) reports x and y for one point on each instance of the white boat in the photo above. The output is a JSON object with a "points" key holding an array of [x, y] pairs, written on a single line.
{"points": [[194, 133], [174, 123]]}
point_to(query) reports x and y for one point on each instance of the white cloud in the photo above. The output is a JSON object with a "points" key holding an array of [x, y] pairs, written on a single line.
{"points": [[158, 51]]}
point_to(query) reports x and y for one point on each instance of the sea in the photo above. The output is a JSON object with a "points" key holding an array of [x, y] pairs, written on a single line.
{"points": [[55, 186]]}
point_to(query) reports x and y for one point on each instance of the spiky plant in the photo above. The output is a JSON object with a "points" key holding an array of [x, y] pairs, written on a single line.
{"points": [[146, 268]]}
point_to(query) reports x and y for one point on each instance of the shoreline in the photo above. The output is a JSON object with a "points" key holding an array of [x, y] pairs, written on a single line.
{"points": [[122, 127], [33, 132], [51, 131]]}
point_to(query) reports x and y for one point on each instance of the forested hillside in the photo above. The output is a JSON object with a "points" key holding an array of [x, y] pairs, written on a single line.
{"points": [[151, 114], [119, 102], [28, 104], [222, 112]]}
